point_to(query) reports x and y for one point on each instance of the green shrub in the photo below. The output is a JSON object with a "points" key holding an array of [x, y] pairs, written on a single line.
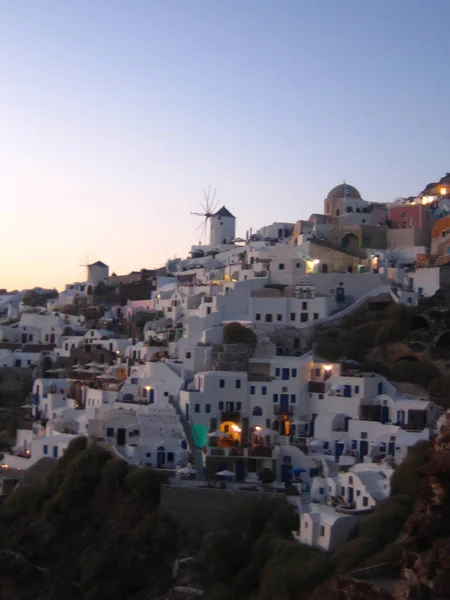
{"points": [[351, 554]]}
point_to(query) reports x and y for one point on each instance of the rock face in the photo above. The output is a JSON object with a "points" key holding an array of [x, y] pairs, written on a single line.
{"points": [[347, 588], [426, 557]]}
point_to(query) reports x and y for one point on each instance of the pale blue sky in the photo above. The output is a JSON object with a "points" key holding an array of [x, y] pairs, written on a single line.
{"points": [[115, 114]]}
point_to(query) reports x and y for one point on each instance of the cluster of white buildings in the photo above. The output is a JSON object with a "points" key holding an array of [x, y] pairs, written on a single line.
{"points": [[181, 395]]}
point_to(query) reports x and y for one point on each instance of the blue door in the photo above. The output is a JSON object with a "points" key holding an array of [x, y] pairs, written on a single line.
{"points": [[284, 404], [380, 387], [285, 374], [285, 475], [55, 451], [187, 412], [350, 494], [391, 448], [384, 414], [363, 448], [152, 396], [240, 470], [339, 449], [347, 391]]}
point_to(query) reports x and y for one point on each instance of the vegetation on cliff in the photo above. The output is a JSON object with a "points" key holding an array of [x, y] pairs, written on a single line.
{"points": [[92, 531]]}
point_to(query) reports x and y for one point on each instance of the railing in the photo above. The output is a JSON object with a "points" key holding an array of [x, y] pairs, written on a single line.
{"points": [[284, 410], [260, 273]]}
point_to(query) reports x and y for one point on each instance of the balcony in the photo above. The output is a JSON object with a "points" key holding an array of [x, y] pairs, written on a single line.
{"points": [[316, 387], [284, 410], [368, 412], [231, 415]]}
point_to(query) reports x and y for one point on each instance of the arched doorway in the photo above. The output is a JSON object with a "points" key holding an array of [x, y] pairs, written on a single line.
{"points": [[350, 241]]}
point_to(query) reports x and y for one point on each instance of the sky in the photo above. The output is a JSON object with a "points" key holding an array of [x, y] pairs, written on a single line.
{"points": [[115, 115]]}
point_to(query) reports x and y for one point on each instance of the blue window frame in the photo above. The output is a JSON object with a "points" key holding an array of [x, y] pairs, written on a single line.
{"points": [[264, 390], [220, 405], [326, 445], [45, 449], [207, 408], [285, 374], [238, 405], [356, 389], [277, 372], [238, 384], [197, 408], [252, 390], [55, 451], [294, 372], [293, 399], [354, 444], [275, 397], [222, 383]]}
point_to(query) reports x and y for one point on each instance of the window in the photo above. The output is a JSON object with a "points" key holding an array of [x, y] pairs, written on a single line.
{"points": [[281, 267], [293, 399], [321, 490], [297, 265], [258, 317], [304, 306], [322, 531], [275, 397], [222, 383], [285, 374], [316, 316], [110, 432], [354, 444], [188, 355], [207, 408], [252, 390], [170, 457], [46, 337], [342, 491], [365, 501], [238, 405], [294, 372], [364, 435], [303, 317], [277, 372], [268, 318], [305, 524], [317, 372], [279, 317], [284, 389], [358, 492], [292, 316], [350, 480], [166, 393], [356, 389], [257, 411], [220, 405], [197, 408], [45, 449], [134, 381], [264, 390], [148, 454], [320, 396], [238, 384], [326, 445]]}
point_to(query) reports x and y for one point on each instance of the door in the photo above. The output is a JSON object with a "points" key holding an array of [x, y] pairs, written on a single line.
{"points": [[285, 374], [391, 448], [213, 424], [350, 495], [339, 449], [285, 474], [284, 404], [121, 436], [52, 338], [55, 451], [161, 457], [384, 414], [187, 412], [240, 470], [24, 338], [363, 448]]}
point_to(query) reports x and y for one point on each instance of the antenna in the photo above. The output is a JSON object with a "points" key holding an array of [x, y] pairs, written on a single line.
{"points": [[209, 206]]}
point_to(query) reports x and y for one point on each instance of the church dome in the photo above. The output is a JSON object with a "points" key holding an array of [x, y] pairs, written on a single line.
{"points": [[344, 191]]}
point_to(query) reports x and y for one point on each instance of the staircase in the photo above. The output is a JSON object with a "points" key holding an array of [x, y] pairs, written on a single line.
{"points": [[433, 423], [187, 429]]}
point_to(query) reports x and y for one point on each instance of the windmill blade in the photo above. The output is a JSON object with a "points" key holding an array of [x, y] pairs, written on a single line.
{"points": [[202, 224], [198, 214], [214, 209]]}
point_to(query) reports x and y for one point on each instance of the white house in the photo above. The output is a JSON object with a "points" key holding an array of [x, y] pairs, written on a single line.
{"points": [[325, 528]]}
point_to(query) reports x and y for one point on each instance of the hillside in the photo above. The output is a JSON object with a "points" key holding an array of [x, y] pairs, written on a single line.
{"points": [[91, 531]]}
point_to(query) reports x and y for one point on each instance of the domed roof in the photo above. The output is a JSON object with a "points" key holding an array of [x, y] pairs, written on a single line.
{"points": [[344, 191]]}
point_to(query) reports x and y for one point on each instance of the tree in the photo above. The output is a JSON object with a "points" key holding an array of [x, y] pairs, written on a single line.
{"points": [[235, 333], [406, 477], [439, 391]]}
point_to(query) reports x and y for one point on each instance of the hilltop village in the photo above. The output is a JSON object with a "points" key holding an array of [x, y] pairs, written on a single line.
{"points": [[224, 370]]}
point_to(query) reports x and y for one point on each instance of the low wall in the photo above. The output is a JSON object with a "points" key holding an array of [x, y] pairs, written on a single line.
{"points": [[199, 510]]}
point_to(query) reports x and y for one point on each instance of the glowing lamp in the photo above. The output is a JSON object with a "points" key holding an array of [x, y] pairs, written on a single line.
{"points": [[443, 191], [327, 367]]}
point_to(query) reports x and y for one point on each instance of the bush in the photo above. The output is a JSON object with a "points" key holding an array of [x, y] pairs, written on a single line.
{"points": [[406, 477], [351, 554], [384, 525]]}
